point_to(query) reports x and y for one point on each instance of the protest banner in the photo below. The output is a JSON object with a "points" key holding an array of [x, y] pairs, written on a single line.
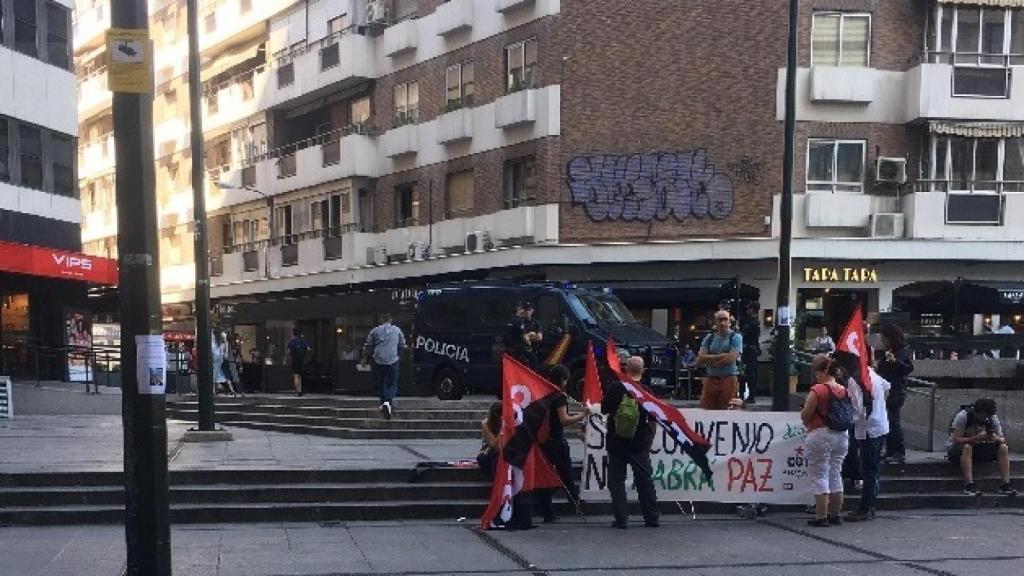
{"points": [[755, 456]]}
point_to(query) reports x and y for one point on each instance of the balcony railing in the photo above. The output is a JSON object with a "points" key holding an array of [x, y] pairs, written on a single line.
{"points": [[970, 186], [286, 166]]}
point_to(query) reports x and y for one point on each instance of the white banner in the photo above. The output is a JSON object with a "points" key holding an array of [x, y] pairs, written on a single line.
{"points": [[755, 456]]}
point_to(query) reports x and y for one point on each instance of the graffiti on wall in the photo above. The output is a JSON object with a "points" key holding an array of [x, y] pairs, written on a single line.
{"points": [[653, 186]]}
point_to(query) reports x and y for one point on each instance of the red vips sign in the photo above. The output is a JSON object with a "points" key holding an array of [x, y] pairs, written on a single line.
{"points": [[51, 263]]}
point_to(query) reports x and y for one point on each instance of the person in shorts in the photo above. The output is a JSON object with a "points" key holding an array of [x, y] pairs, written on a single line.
{"points": [[719, 352], [977, 436]]}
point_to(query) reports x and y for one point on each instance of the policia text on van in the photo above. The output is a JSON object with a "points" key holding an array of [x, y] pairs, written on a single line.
{"points": [[459, 333]]}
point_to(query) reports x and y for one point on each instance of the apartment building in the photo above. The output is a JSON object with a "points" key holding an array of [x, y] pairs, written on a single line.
{"points": [[359, 150], [43, 275]]}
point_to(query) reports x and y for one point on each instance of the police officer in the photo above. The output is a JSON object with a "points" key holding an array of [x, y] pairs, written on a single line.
{"points": [[522, 334]]}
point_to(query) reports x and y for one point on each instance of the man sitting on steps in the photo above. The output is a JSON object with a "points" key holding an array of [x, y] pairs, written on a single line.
{"points": [[977, 436]]}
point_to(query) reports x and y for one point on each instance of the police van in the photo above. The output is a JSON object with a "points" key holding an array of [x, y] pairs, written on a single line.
{"points": [[459, 331]]}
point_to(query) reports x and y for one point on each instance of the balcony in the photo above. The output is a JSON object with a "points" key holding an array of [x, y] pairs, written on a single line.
{"points": [[846, 85], [340, 61], [504, 6], [221, 21], [965, 216], [838, 210], [318, 252], [93, 95], [96, 157], [170, 61], [966, 92], [400, 141], [516, 109], [400, 38], [454, 16], [100, 223], [326, 158], [170, 136], [233, 100], [90, 23], [455, 126]]}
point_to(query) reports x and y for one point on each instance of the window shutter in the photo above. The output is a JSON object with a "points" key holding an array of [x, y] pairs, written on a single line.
{"points": [[856, 41], [460, 193], [825, 40]]}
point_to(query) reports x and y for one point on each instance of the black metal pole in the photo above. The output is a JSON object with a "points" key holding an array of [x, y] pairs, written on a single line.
{"points": [[783, 314], [204, 364], [147, 529]]}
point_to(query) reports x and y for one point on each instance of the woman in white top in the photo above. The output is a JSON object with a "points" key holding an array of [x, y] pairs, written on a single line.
{"points": [[870, 429]]}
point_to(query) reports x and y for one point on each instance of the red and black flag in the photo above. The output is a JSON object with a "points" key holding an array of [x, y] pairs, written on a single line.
{"points": [[526, 406], [673, 421], [592, 391], [612, 355], [852, 354]]}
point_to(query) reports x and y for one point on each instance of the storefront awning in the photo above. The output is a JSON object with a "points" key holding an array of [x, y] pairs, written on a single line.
{"points": [[1005, 3], [979, 129], [51, 263]]}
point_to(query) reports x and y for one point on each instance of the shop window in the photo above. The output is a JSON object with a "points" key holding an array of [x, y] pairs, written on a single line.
{"points": [[835, 165], [841, 39]]}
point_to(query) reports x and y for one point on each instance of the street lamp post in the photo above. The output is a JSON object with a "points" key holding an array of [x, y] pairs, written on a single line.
{"points": [[780, 372]]}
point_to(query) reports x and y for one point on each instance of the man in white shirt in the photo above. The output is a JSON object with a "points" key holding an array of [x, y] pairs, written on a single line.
{"points": [[824, 344], [870, 430]]}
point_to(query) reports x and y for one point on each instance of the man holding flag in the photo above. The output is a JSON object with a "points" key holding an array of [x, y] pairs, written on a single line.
{"points": [[871, 422]]}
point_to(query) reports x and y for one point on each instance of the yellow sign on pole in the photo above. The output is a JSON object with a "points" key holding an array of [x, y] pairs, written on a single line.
{"points": [[129, 61]]}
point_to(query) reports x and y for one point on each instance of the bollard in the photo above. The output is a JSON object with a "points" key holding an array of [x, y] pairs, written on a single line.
{"points": [[931, 421]]}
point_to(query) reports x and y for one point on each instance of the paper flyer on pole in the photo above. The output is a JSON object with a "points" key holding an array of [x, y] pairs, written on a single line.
{"points": [[756, 457], [151, 364]]}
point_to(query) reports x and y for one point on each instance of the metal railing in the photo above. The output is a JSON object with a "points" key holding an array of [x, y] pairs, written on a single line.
{"points": [[978, 59], [333, 232], [969, 186]]}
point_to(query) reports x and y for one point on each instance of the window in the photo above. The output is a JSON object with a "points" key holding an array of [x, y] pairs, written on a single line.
{"points": [[62, 159], [406, 206], [326, 215], [460, 85], [337, 25], [459, 194], [25, 27], [285, 74], [521, 65], [359, 110], [963, 164], [407, 103], [520, 181], [840, 39], [5, 151], [330, 56], [835, 165], [284, 224], [30, 145], [981, 43], [210, 22], [57, 35], [244, 6]]}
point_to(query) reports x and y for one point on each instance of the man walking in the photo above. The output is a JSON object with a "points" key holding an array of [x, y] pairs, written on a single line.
{"points": [[751, 334], [633, 449], [384, 342], [719, 352], [298, 349]]}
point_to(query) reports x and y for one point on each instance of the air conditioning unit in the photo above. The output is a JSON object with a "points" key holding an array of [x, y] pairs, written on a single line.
{"points": [[418, 251], [887, 225], [478, 241], [377, 255], [376, 12], [891, 170]]}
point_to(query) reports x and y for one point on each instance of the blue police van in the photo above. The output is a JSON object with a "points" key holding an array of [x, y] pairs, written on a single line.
{"points": [[459, 331]]}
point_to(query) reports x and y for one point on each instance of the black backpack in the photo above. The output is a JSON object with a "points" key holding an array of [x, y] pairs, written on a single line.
{"points": [[840, 412]]}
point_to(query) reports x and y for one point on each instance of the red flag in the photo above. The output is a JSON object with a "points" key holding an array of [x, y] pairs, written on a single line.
{"points": [[613, 357], [854, 343], [526, 406], [592, 392], [671, 419]]}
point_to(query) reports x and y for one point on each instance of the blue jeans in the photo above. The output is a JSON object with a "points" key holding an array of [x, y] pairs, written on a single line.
{"points": [[387, 381], [870, 457]]}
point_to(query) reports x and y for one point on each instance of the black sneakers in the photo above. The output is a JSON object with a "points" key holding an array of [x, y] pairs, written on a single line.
{"points": [[385, 409], [1006, 490], [971, 489], [860, 516]]}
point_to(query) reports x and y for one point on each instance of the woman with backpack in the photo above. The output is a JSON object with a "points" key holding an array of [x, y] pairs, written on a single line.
{"points": [[828, 415]]}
